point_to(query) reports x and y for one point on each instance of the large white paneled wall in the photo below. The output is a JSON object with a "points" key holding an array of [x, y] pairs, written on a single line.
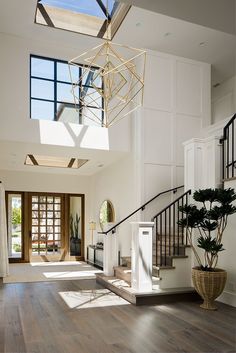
{"points": [[224, 100], [176, 107]]}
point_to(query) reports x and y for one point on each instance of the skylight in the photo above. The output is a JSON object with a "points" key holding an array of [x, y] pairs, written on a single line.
{"points": [[56, 162], [99, 18]]}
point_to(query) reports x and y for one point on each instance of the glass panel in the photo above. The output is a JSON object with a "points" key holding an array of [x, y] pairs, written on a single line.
{"points": [[42, 89], [35, 229], [42, 214], [34, 214], [64, 93], [43, 222], [42, 110], [57, 214], [34, 221], [75, 225], [67, 113], [49, 214], [42, 199], [50, 199], [57, 229], [63, 72], [92, 98], [34, 206], [14, 226], [91, 77], [50, 207], [50, 222], [57, 207], [57, 222], [42, 68], [57, 200], [90, 7], [34, 198], [42, 207]]}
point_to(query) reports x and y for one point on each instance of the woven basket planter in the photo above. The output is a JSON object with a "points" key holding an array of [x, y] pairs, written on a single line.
{"points": [[209, 285]]}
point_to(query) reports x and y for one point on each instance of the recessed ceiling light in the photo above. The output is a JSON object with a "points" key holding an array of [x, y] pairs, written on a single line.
{"points": [[100, 165], [167, 34], [201, 44]]}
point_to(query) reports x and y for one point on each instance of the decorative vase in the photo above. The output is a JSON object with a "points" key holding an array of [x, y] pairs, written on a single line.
{"points": [[75, 247], [209, 285]]}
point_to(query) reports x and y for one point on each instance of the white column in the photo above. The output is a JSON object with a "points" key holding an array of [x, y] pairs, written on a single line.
{"points": [[141, 256], [110, 251], [202, 163]]}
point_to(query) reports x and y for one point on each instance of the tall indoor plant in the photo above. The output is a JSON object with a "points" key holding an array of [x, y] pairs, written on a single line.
{"points": [[75, 237], [208, 222]]}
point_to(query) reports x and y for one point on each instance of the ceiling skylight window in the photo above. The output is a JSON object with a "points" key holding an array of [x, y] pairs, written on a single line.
{"points": [[56, 162], [98, 18]]}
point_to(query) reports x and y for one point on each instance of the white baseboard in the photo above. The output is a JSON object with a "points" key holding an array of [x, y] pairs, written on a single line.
{"points": [[228, 297]]}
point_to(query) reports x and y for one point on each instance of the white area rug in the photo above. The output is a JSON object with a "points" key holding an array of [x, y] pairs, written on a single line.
{"points": [[50, 271]]}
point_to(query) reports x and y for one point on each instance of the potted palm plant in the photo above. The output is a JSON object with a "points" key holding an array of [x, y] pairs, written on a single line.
{"points": [[208, 223]]}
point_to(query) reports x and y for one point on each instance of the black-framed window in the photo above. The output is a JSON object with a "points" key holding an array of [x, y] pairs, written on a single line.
{"points": [[50, 92]]}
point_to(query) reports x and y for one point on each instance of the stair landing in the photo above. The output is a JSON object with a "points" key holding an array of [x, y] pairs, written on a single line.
{"points": [[156, 296]]}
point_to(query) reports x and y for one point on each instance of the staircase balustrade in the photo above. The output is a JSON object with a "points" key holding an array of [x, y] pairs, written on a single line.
{"points": [[228, 150], [170, 239]]}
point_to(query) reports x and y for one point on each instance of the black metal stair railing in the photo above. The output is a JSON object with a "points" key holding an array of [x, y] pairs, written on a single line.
{"points": [[141, 208], [169, 237], [228, 150]]}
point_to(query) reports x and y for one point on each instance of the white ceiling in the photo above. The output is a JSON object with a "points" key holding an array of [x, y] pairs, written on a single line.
{"points": [[13, 154], [141, 28], [150, 30]]}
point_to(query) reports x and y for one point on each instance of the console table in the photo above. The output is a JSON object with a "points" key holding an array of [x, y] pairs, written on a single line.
{"points": [[95, 256]]}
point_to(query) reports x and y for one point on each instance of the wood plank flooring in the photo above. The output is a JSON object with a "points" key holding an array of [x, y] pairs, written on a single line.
{"points": [[83, 317]]}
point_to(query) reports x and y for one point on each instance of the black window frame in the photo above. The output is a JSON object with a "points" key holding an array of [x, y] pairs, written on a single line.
{"points": [[55, 101]]}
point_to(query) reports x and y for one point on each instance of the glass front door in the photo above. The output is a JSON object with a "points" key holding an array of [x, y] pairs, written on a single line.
{"points": [[46, 233]]}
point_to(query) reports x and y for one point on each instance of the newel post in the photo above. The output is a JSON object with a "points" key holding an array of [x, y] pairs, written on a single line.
{"points": [[141, 256], [110, 251]]}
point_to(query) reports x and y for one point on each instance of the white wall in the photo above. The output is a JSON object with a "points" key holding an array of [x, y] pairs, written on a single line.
{"points": [[115, 183], [224, 100], [227, 257], [176, 107]]}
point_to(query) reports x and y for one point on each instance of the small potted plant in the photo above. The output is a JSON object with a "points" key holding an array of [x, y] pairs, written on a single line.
{"points": [[208, 222]]}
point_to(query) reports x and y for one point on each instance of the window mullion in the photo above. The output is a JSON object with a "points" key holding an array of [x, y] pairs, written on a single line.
{"points": [[55, 90]]}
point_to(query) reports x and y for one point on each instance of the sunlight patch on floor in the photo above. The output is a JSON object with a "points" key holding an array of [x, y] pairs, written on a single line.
{"points": [[91, 298], [70, 274]]}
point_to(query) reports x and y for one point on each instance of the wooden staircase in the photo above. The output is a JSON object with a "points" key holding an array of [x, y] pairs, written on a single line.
{"points": [[169, 247]]}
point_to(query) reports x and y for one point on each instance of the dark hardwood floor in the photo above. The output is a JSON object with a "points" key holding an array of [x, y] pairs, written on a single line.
{"points": [[82, 317]]}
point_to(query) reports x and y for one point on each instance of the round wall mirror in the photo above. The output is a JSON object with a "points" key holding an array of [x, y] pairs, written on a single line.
{"points": [[106, 214]]}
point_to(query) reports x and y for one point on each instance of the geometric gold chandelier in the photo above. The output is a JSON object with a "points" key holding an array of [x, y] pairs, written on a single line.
{"points": [[112, 82]]}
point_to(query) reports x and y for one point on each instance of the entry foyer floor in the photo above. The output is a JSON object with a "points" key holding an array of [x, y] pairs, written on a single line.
{"points": [[80, 316]]}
